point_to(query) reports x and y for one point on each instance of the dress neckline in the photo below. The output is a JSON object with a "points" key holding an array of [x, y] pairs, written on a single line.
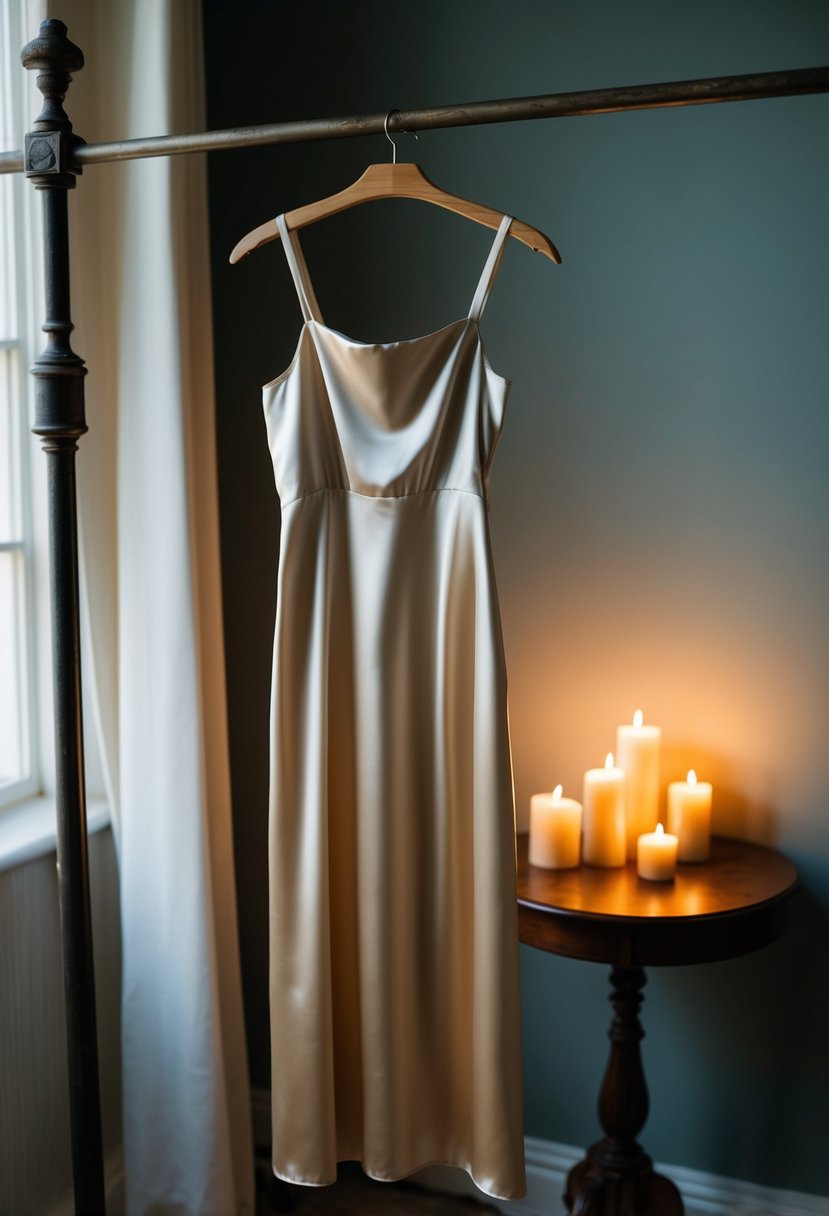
{"points": [[466, 322], [435, 333], [314, 323]]}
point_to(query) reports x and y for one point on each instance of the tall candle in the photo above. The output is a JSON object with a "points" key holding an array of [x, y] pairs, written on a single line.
{"points": [[555, 831], [637, 753], [656, 855], [604, 815], [689, 817]]}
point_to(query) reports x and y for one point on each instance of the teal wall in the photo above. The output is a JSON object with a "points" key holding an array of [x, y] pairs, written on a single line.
{"points": [[660, 504]]}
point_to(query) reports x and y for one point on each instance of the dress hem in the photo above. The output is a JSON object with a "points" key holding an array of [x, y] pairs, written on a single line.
{"points": [[423, 1165]]}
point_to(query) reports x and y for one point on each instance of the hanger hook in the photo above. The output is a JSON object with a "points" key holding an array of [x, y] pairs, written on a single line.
{"points": [[388, 137]]}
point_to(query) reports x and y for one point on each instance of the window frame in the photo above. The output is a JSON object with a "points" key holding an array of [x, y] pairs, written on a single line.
{"points": [[25, 303]]}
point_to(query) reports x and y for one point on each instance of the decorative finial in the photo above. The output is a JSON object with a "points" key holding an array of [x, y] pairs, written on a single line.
{"points": [[50, 144]]}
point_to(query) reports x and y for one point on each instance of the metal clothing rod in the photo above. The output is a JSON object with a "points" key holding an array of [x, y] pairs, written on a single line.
{"points": [[465, 114]]}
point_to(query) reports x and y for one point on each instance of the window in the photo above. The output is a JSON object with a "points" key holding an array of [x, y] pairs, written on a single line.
{"points": [[19, 761]]}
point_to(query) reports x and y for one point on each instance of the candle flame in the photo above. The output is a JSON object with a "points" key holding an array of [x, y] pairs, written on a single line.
{"points": [[638, 719], [608, 760], [660, 831], [692, 777], [557, 792]]}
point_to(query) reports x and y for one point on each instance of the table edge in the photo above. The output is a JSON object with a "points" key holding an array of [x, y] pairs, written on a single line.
{"points": [[628, 939], [694, 917]]}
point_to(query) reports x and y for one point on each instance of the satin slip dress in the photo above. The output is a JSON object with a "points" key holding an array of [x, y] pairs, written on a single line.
{"points": [[394, 988]]}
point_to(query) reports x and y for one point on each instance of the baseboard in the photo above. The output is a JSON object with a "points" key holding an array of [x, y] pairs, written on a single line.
{"points": [[703, 1194], [547, 1167]]}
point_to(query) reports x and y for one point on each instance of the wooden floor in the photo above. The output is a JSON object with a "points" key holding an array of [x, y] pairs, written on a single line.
{"points": [[353, 1194]]}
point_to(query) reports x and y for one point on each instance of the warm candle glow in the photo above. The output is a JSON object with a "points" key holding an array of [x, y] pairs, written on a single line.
{"points": [[555, 831], [604, 815], [689, 817], [637, 754], [656, 854]]}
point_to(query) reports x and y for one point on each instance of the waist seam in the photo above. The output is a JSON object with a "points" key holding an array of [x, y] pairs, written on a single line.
{"points": [[383, 497]]}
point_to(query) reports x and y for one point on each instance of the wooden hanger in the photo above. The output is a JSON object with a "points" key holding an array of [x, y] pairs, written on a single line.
{"points": [[395, 180]]}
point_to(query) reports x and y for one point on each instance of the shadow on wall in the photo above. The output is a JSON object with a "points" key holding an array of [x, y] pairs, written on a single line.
{"points": [[755, 1090]]}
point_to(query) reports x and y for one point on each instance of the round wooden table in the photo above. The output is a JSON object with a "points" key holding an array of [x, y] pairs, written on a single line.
{"points": [[730, 905]]}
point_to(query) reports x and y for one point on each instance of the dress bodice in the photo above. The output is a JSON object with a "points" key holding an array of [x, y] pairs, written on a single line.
{"points": [[385, 420]]}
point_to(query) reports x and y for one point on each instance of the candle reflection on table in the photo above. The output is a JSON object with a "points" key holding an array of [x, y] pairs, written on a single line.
{"points": [[700, 890]]}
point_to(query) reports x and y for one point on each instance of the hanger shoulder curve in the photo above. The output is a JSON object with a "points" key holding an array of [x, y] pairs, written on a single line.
{"points": [[400, 180]]}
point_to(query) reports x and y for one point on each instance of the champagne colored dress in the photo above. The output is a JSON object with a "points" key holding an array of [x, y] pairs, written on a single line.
{"points": [[394, 992]]}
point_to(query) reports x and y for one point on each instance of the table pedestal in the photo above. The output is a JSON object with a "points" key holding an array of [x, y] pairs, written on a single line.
{"points": [[616, 1178]]}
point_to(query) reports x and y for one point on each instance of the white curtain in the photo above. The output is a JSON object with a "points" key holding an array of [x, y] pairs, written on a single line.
{"points": [[150, 555]]}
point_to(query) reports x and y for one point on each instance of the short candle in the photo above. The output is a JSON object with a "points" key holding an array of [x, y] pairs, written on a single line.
{"points": [[637, 753], [656, 855], [689, 817], [604, 815], [555, 831]]}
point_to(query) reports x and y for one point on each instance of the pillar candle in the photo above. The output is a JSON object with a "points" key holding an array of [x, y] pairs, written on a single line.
{"points": [[555, 831], [656, 855], [637, 754], [604, 815], [689, 817]]}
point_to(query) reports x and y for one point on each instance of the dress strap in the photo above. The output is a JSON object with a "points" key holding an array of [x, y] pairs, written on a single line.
{"points": [[490, 270], [299, 271]]}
